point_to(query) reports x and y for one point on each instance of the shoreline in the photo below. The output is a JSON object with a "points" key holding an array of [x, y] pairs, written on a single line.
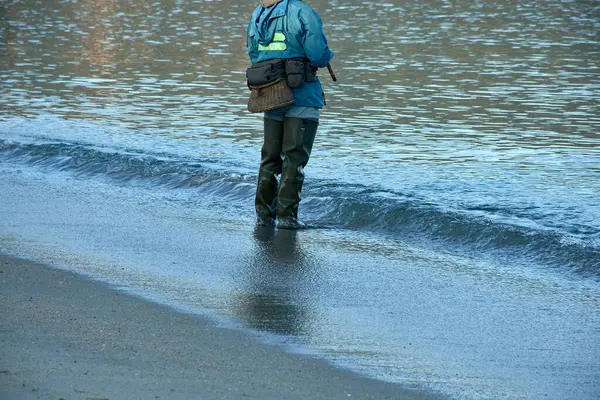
{"points": [[66, 336]]}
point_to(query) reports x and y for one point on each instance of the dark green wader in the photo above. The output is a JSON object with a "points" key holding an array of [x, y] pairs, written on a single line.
{"points": [[286, 150]]}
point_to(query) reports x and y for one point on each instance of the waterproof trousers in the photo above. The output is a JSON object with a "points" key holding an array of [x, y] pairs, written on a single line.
{"points": [[286, 149]]}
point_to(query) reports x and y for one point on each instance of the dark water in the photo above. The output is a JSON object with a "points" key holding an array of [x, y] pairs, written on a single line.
{"points": [[468, 130]]}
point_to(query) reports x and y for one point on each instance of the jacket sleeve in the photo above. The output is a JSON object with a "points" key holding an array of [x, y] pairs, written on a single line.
{"points": [[315, 42], [251, 36], [251, 44]]}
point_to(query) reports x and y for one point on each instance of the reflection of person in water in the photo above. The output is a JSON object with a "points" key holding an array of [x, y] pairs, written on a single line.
{"points": [[280, 246], [273, 279]]}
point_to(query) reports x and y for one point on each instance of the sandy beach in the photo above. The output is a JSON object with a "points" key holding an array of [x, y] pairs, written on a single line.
{"points": [[229, 311], [65, 336]]}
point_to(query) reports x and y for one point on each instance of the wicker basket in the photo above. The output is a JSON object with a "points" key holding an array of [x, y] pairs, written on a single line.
{"points": [[270, 96]]}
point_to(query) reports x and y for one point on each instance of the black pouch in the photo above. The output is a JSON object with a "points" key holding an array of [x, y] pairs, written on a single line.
{"points": [[265, 72], [296, 73], [311, 72]]}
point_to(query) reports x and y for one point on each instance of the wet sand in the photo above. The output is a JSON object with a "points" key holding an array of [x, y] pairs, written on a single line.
{"points": [[65, 336]]}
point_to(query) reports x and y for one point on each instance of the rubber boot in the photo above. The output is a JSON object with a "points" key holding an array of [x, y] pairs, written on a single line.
{"points": [[298, 137], [270, 166]]}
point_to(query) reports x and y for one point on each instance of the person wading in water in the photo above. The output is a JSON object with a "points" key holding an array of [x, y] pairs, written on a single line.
{"points": [[286, 45]]}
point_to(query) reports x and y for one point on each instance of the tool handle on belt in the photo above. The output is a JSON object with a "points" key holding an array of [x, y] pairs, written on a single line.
{"points": [[333, 77]]}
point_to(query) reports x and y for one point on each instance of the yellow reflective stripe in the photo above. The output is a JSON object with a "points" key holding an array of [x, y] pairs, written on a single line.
{"points": [[273, 46], [278, 43]]}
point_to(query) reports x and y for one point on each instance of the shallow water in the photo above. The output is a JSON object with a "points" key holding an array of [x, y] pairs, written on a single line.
{"points": [[458, 135]]}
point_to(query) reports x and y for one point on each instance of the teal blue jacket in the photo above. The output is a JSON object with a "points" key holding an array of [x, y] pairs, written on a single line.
{"points": [[290, 29]]}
